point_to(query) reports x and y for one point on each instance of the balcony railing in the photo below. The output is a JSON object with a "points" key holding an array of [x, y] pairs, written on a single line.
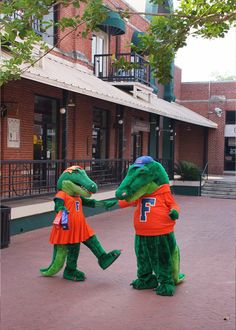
{"points": [[106, 69], [30, 178]]}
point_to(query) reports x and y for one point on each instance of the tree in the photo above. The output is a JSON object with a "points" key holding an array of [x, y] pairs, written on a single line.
{"points": [[167, 32], [216, 76]]}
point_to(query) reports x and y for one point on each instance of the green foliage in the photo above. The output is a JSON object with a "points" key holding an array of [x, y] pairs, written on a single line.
{"points": [[188, 171], [222, 77], [18, 36], [167, 32]]}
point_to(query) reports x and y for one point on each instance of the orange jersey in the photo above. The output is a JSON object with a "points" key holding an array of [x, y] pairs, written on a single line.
{"points": [[79, 230], [151, 215]]}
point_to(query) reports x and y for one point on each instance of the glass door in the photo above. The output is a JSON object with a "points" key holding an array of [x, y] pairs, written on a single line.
{"points": [[44, 138]]}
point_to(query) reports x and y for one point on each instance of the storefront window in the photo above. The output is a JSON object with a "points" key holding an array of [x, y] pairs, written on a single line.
{"points": [[230, 117], [230, 153], [100, 134], [230, 141], [137, 144], [45, 121]]}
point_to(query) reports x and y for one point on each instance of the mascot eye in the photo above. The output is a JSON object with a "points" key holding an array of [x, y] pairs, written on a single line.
{"points": [[141, 171]]}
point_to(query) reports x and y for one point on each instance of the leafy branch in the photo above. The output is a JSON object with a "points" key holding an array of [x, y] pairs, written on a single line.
{"points": [[167, 33]]}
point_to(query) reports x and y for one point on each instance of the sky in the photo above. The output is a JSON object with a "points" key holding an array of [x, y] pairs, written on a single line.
{"points": [[202, 59]]}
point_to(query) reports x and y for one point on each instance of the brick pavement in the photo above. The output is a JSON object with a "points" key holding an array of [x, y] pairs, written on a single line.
{"points": [[105, 301]]}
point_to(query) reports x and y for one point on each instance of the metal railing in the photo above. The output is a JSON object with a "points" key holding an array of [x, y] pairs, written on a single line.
{"points": [[106, 69], [203, 176], [30, 178], [169, 167]]}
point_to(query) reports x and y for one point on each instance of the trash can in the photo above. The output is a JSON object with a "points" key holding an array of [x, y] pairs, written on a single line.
{"points": [[5, 226]]}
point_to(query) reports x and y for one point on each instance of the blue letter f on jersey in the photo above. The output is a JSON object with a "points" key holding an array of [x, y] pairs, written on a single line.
{"points": [[146, 204]]}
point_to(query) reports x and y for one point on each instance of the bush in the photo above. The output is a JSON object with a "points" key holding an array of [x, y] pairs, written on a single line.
{"points": [[188, 171]]}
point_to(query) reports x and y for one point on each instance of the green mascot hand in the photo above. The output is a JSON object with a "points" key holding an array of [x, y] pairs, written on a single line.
{"points": [[173, 214], [107, 203]]}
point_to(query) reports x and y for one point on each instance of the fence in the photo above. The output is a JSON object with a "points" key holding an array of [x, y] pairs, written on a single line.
{"points": [[27, 178]]}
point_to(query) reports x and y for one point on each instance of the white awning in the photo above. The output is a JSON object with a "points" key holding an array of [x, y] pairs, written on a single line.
{"points": [[77, 78]]}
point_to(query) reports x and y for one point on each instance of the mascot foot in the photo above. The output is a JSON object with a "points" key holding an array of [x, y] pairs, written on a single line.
{"points": [[74, 275], [181, 278], [141, 284], [108, 258], [165, 290]]}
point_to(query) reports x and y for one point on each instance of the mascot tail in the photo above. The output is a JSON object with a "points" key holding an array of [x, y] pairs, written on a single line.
{"points": [[178, 277], [58, 260]]}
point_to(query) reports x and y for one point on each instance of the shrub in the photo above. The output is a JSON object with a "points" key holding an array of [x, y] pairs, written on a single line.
{"points": [[187, 170]]}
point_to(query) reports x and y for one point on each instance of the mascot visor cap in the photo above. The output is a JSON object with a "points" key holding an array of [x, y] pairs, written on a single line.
{"points": [[143, 160]]}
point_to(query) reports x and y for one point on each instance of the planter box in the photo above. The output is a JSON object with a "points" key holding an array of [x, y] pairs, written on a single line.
{"points": [[188, 188]]}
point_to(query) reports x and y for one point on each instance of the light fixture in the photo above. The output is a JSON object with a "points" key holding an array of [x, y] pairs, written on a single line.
{"points": [[120, 121], [71, 103], [218, 112], [62, 111]]}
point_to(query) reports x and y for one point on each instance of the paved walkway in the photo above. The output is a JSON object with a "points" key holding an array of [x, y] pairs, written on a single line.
{"points": [[105, 301]]}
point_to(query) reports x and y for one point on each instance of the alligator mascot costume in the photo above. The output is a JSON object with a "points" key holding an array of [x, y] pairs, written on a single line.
{"points": [[70, 227], [146, 186]]}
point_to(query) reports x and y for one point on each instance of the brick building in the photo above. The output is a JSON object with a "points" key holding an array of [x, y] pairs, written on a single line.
{"points": [[215, 101], [73, 105]]}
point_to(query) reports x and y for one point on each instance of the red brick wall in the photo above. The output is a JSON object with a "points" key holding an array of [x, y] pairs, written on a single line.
{"points": [[19, 99], [192, 137], [75, 42], [199, 98]]}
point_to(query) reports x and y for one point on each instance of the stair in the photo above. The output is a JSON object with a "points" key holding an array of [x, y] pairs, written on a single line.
{"points": [[219, 189]]}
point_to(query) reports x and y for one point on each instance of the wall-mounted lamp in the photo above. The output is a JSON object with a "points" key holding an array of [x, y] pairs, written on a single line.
{"points": [[158, 129], [3, 110], [62, 111], [120, 122], [71, 103]]}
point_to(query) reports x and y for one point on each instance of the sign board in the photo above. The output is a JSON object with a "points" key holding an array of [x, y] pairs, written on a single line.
{"points": [[230, 130], [140, 126], [13, 133]]}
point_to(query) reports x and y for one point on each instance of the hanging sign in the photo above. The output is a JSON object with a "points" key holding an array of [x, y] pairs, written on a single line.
{"points": [[13, 133], [140, 126]]}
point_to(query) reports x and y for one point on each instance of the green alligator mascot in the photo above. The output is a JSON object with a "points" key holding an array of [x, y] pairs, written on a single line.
{"points": [[146, 186], [70, 228]]}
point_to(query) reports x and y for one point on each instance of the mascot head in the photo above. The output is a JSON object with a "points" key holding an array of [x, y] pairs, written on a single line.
{"points": [[75, 182], [144, 176]]}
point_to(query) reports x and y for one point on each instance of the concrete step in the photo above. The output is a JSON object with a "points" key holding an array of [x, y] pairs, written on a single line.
{"points": [[219, 189], [219, 193], [219, 196], [230, 183]]}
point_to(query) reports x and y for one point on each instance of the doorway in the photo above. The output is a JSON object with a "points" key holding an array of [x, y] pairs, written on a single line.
{"points": [[137, 144], [100, 134], [45, 138]]}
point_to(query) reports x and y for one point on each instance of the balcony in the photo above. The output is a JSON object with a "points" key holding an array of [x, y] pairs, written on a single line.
{"points": [[106, 67]]}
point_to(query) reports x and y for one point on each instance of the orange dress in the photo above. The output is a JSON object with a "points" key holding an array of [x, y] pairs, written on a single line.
{"points": [[79, 231]]}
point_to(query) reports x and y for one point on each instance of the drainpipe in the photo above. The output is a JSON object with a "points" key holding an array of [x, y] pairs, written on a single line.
{"points": [[120, 137]]}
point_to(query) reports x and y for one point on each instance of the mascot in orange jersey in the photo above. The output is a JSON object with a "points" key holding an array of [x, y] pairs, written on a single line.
{"points": [[70, 228]]}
